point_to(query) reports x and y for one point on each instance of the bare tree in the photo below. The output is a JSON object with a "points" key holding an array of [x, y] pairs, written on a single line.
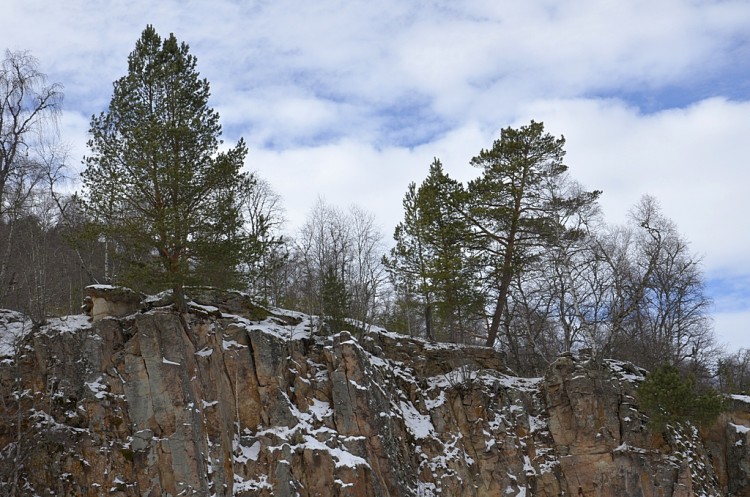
{"points": [[632, 292], [263, 215], [636, 292], [29, 108], [340, 246], [670, 321], [323, 244], [367, 275], [733, 372]]}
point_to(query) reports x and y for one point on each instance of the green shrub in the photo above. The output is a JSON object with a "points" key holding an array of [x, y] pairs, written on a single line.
{"points": [[669, 396]]}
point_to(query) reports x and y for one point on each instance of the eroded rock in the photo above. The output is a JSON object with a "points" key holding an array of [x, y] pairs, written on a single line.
{"points": [[247, 402], [103, 301]]}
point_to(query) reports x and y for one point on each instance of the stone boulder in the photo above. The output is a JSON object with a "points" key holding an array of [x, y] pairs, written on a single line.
{"points": [[101, 301]]}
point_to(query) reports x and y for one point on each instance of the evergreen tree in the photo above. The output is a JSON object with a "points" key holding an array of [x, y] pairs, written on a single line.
{"points": [[335, 300], [408, 261], [155, 181], [669, 396], [512, 207], [431, 256]]}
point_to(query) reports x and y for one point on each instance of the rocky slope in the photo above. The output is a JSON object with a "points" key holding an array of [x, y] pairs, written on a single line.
{"points": [[234, 399]]}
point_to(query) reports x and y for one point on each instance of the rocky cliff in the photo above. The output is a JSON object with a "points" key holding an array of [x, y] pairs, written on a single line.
{"points": [[234, 399]]}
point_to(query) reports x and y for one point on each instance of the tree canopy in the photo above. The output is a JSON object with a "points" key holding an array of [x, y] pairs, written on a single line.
{"points": [[155, 182], [431, 258], [514, 206], [521, 256]]}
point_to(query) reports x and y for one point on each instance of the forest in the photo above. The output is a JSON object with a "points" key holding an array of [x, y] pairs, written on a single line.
{"points": [[520, 258]]}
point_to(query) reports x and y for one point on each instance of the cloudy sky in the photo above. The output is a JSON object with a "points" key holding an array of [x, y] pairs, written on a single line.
{"points": [[351, 100]]}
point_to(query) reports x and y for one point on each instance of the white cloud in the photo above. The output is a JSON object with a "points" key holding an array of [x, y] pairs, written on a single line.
{"points": [[732, 329], [356, 172], [693, 160], [74, 129]]}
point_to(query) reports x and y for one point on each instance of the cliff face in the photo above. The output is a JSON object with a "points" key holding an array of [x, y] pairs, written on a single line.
{"points": [[236, 400]]}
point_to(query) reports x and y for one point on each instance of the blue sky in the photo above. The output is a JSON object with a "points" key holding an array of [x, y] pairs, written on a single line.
{"points": [[351, 100]]}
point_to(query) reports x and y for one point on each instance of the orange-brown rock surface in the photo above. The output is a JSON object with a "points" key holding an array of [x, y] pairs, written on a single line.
{"points": [[233, 399]]}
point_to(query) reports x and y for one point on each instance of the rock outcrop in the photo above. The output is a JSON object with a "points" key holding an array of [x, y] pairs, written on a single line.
{"points": [[235, 399], [102, 301]]}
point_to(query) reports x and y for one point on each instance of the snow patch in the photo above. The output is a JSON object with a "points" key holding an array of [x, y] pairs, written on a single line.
{"points": [[320, 409], [241, 485], [13, 328], [206, 308], [431, 404], [100, 390], [536, 424], [67, 324], [232, 345], [245, 454], [419, 424]]}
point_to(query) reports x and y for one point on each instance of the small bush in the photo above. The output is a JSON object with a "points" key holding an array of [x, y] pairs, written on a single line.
{"points": [[462, 378], [669, 396]]}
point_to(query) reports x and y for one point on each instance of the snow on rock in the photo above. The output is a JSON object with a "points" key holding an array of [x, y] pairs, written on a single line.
{"points": [[243, 453], [97, 387], [205, 352], [206, 309], [261, 404], [14, 326], [418, 424], [67, 324]]}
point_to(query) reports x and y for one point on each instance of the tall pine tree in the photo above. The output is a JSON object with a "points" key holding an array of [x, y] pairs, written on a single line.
{"points": [[155, 182], [513, 207], [408, 262], [431, 257]]}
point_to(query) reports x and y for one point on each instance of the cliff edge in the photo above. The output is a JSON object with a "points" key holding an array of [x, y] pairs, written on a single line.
{"points": [[235, 399]]}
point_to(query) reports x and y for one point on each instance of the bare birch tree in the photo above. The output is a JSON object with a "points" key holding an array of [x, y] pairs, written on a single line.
{"points": [[29, 108]]}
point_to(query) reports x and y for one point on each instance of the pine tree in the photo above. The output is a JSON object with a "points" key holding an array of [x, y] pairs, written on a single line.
{"points": [[335, 300], [511, 207], [669, 396], [408, 263], [431, 256], [155, 182]]}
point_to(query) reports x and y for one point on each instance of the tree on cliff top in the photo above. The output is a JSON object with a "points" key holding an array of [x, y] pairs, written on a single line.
{"points": [[514, 207], [430, 258], [670, 396], [155, 183]]}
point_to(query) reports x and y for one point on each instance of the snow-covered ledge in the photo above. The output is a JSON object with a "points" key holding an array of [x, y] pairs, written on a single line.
{"points": [[103, 301]]}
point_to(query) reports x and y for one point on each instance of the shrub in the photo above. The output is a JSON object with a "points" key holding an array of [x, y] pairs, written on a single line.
{"points": [[669, 396]]}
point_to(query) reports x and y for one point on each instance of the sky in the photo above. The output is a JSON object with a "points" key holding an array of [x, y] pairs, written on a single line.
{"points": [[351, 100]]}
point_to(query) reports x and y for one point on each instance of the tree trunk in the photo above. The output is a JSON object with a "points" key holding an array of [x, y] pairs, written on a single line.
{"points": [[505, 281], [179, 298], [428, 321]]}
